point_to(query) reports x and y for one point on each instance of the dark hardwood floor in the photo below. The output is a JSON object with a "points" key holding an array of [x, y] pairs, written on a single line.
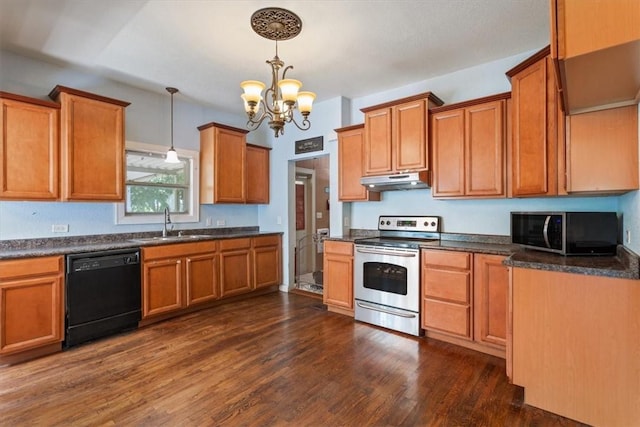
{"points": [[277, 359]]}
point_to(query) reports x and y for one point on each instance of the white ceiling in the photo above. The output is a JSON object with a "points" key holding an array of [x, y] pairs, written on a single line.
{"points": [[206, 48]]}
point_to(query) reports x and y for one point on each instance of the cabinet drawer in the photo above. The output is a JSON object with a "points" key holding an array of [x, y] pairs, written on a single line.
{"points": [[266, 241], [178, 250], [448, 259], [449, 285], [30, 267], [231, 244], [447, 317], [339, 248]]}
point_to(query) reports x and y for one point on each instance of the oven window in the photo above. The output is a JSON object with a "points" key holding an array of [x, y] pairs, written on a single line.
{"points": [[385, 277]]}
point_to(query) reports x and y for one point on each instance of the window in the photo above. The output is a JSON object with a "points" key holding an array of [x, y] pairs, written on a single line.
{"points": [[151, 185]]}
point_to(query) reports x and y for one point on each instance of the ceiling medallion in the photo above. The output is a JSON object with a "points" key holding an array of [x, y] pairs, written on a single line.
{"points": [[283, 96], [274, 23]]}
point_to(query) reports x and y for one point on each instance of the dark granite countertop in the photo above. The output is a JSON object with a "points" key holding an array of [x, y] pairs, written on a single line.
{"points": [[625, 264], [25, 248]]}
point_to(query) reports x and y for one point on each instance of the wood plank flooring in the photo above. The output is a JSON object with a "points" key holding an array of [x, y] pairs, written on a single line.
{"points": [[273, 360]]}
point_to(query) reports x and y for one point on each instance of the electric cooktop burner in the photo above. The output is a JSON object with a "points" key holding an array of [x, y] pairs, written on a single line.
{"points": [[404, 232]]}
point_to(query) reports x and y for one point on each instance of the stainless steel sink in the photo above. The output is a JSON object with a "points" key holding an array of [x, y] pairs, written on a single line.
{"points": [[170, 238]]}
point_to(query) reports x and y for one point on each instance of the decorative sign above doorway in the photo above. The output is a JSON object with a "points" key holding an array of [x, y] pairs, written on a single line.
{"points": [[310, 145]]}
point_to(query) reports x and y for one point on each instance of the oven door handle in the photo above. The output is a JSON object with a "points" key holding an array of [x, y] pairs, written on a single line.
{"points": [[382, 310], [400, 254]]}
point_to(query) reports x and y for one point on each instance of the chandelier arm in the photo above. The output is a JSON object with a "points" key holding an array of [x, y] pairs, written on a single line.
{"points": [[255, 123], [284, 72], [306, 124]]}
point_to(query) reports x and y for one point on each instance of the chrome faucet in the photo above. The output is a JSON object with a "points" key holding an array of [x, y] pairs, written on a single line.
{"points": [[167, 220]]}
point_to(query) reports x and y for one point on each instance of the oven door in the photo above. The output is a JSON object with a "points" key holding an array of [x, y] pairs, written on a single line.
{"points": [[388, 276]]}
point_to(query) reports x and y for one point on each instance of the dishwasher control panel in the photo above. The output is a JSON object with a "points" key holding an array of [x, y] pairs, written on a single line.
{"points": [[98, 260]]}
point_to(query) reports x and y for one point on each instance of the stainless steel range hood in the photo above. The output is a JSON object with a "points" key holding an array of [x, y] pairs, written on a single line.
{"points": [[398, 181]]}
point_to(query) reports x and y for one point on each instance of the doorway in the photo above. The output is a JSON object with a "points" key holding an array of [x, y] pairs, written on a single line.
{"points": [[312, 221]]}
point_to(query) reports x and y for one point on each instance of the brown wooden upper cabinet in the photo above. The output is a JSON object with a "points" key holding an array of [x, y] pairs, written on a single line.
{"points": [[536, 165], [29, 148], [602, 151], [396, 135], [351, 165], [257, 174], [232, 171], [92, 145], [468, 142], [596, 47]]}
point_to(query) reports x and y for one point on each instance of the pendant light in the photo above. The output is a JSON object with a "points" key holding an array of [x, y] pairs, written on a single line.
{"points": [[172, 155]]}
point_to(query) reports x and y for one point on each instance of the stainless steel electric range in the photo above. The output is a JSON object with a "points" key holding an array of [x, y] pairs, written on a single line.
{"points": [[387, 272]]}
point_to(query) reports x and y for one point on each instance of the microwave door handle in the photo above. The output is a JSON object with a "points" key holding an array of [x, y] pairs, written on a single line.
{"points": [[545, 231]]}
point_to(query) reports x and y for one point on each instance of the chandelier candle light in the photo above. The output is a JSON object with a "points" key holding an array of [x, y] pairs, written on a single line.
{"points": [[283, 95]]}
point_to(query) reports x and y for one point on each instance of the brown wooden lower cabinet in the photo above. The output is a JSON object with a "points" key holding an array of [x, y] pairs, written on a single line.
{"points": [[267, 258], [338, 276], [180, 276], [464, 299], [446, 292], [31, 304], [235, 267], [177, 276], [576, 345], [490, 289]]}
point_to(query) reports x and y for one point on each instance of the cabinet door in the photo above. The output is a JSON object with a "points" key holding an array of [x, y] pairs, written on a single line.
{"points": [[409, 123], [257, 174], [602, 149], [535, 137], [447, 136], [92, 140], [31, 313], [378, 144], [338, 274], [29, 151], [351, 153], [338, 280], [161, 286], [235, 267], [484, 149], [266, 261], [491, 285], [229, 170], [201, 278]]}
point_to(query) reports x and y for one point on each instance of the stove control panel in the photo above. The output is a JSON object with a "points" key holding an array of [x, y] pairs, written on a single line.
{"points": [[409, 223]]}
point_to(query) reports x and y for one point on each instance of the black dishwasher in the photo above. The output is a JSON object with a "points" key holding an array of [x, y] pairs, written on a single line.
{"points": [[102, 295]]}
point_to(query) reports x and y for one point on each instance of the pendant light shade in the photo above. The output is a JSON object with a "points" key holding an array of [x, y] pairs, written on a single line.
{"points": [[172, 155]]}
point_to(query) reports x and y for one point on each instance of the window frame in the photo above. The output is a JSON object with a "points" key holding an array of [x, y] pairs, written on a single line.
{"points": [[193, 158]]}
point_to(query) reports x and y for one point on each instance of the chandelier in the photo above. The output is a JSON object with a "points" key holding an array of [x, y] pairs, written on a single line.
{"points": [[283, 96]]}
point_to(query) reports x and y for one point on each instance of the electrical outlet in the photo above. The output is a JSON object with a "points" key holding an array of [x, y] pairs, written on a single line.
{"points": [[346, 221], [628, 236], [279, 220], [209, 221], [220, 222], [60, 228]]}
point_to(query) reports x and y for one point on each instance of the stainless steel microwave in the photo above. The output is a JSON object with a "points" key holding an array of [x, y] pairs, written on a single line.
{"points": [[566, 233]]}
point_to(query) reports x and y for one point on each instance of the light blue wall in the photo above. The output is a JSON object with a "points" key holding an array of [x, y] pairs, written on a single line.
{"points": [[489, 216], [147, 120]]}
